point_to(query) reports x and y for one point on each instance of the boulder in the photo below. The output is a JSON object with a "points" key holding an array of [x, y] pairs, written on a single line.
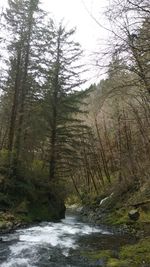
{"points": [[9, 225], [9, 217], [134, 214]]}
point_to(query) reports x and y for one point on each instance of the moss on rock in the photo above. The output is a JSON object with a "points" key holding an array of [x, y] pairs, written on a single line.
{"points": [[96, 255], [136, 255], [117, 263]]}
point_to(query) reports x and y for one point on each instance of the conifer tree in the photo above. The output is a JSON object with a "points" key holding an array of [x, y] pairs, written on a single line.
{"points": [[62, 101], [24, 23]]}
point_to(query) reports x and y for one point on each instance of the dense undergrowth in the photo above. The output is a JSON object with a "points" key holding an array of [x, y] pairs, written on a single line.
{"points": [[28, 195]]}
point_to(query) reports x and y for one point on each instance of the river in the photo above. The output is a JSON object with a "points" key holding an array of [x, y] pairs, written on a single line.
{"points": [[51, 244]]}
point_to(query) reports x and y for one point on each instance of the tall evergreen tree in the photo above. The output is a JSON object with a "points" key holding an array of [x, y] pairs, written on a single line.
{"points": [[62, 100], [24, 23]]}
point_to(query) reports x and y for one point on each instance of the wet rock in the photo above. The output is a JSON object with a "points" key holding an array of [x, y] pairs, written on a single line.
{"points": [[17, 225], [100, 263], [79, 209], [134, 214], [91, 215], [9, 225]]}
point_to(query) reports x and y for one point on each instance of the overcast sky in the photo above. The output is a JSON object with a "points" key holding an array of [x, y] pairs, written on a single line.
{"points": [[75, 14]]}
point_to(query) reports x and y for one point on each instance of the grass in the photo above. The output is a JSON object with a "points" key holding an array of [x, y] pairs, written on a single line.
{"points": [[96, 255], [136, 255], [120, 217]]}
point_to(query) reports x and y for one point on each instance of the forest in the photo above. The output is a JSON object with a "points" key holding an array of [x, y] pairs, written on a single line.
{"points": [[60, 143]]}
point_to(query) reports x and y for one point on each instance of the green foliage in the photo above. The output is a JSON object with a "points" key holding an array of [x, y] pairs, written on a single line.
{"points": [[4, 156], [5, 202], [4, 161], [72, 199], [117, 263], [22, 207], [62, 104], [40, 129], [37, 171], [118, 217], [136, 255], [47, 138], [96, 255]]}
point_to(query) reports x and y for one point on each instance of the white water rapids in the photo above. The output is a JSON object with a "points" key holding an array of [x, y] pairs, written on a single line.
{"points": [[39, 245]]}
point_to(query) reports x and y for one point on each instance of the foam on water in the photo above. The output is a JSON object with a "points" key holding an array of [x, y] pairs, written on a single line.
{"points": [[27, 242]]}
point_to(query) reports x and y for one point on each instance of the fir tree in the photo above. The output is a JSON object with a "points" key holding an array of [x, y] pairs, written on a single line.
{"points": [[63, 102]]}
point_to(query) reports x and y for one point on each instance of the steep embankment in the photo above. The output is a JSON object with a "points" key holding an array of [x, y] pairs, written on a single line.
{"points": [[130, 211], [128, 206]]}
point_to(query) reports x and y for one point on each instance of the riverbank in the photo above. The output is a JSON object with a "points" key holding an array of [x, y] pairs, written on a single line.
{"points": [[116, 211], [13, 219], [52, 244], [135, 255], [27, 200], [117, 218], [108, 246], [69, 242], [128, 209], [128, 245], [10, 222]]}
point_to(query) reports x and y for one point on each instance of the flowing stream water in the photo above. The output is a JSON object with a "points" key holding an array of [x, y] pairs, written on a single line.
{"points": [[51, 244]]}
